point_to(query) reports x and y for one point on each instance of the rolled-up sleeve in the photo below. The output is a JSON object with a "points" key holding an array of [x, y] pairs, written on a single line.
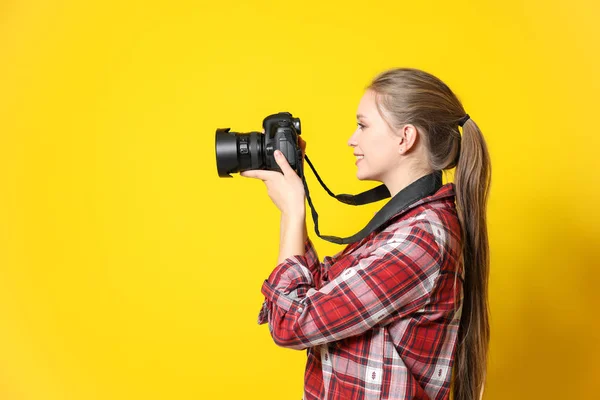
{"points": [[294, 276], [312, 261], [395, 279]]}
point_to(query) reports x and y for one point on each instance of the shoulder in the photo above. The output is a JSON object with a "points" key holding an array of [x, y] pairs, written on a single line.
{"points": [[437, 209], [431, 222]]}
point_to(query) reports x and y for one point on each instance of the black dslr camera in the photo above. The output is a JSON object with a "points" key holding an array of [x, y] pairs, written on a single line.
{"points": [[238, 152]]}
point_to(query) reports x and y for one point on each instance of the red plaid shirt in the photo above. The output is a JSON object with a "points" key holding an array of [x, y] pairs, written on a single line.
{"points": [[379, 319]]}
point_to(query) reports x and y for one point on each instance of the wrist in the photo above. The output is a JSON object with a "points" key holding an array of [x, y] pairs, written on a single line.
{"points": [[292, 237], [296, 217]]}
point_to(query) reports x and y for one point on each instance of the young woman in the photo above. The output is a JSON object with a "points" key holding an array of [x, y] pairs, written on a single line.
{"points": [[401, 314]]}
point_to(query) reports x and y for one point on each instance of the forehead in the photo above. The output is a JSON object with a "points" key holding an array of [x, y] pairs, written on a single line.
{"points": [[367, 107], [367, 104]]}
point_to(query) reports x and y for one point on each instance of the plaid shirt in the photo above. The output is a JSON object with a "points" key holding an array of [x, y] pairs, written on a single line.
{"points": [[379, 319]]}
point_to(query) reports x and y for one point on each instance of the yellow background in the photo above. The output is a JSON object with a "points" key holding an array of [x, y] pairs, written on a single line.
{"points": [[129, 270]]}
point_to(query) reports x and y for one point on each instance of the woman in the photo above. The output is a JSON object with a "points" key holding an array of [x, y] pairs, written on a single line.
{"points": [[401, 314]]}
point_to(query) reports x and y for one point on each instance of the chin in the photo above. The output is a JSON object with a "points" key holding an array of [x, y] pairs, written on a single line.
{"points": [[367, 177], [363, 177]]}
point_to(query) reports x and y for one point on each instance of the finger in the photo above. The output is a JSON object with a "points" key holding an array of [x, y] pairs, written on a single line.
{"points": [[258, 174], [283, 163]]}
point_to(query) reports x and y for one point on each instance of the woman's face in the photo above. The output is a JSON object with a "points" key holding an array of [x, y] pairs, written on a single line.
{"points": [[374, 143]]}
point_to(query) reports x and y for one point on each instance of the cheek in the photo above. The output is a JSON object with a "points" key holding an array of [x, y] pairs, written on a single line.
{"points": [[382, 149], [385, 155]]}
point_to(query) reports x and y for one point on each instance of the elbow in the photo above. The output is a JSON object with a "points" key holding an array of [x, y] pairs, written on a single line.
{"points": [[288, 340]]}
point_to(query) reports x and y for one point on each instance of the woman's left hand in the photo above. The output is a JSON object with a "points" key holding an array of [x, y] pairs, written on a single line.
{"points": [[285, 189]]}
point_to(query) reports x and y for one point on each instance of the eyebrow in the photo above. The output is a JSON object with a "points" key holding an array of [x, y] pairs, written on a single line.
{"points": [[359, 116]]}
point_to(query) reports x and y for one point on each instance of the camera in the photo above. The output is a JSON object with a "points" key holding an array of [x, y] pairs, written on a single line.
{"points": [[238, 152]]}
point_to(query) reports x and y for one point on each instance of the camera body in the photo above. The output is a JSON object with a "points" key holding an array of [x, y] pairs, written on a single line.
{"points": [[238, 152]]}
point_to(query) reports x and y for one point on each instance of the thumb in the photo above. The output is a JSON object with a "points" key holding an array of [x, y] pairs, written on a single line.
{"points": [[283, 163]]}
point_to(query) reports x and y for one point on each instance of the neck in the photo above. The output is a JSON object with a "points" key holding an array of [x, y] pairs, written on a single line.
{"points": [[402, 178]]}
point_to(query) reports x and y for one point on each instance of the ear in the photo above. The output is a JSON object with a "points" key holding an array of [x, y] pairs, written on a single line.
{"points": [[408, 138]]}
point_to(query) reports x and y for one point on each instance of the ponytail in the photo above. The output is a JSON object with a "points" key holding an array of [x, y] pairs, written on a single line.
{"points": [[472, 182]]}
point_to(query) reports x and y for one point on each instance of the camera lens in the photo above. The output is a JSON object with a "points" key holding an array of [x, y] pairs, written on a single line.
{"points": [[238, 152]]}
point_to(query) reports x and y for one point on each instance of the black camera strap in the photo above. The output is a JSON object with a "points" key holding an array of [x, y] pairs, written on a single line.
{"points": [[422, 187], [370, 196]]}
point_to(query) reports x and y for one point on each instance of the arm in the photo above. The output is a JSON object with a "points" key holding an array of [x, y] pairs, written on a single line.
{"points": [[294, 240], [308, 255], [396, 279], [293, 235]]}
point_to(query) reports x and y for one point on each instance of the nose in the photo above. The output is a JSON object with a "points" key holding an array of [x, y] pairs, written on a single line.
{"points": [[352, 141]]}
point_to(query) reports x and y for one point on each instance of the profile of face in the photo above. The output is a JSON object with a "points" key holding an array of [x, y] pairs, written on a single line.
{"points": [[376, 146], [385, 154]]}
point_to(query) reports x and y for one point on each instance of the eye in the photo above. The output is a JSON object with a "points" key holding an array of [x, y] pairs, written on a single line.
{"points": [[360, 126]]}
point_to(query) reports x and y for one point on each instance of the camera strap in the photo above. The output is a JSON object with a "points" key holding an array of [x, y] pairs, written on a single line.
{"points": [[422, 187]]}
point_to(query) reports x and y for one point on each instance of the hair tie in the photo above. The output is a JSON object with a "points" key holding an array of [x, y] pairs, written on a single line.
{"points": [[463, 120]]}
